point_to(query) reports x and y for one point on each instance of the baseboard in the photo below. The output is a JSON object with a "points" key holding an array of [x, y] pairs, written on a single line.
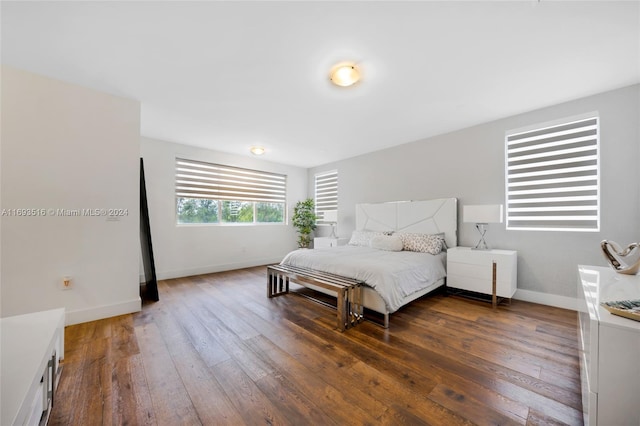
{"points": [[564, 302], [210, 269], [104, 311]]}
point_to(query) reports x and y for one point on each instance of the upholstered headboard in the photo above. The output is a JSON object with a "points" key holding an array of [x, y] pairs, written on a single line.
{"points": [[428, 217]]}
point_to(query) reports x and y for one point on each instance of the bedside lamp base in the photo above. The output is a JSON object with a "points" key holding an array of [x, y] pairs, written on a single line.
{"points": [[333, 231], [482, 244]]}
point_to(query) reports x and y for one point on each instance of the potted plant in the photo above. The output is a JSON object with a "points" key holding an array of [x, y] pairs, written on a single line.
{"points": [[304, 220]]}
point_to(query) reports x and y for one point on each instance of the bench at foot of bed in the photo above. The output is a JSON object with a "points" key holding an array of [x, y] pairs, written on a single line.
{"points": [[348, 290]]}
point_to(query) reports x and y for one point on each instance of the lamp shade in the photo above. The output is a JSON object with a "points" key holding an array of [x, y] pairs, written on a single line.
{"points": [[490, 213], [330, 216]]}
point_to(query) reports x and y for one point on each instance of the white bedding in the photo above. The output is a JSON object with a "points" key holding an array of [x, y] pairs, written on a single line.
{"points": [[394, 275]]}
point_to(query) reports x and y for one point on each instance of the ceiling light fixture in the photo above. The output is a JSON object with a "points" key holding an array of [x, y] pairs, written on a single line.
{"points": [[345, 75], [257, 150]]}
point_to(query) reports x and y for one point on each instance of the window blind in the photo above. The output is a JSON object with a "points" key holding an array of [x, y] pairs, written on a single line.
{"points": [[553, 177], [197, 179], [326, 197]]}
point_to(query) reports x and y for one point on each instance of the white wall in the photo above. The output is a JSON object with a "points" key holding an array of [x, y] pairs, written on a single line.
{"points": [[68, 147], [183, 250], [469, 164]]}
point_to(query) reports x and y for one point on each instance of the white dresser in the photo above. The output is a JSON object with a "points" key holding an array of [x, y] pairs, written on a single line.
{"points": [[32, 347], [609, 348]]}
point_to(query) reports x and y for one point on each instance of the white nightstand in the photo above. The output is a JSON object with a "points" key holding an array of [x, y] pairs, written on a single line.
{"points": [[326, 242], [472, 270]]}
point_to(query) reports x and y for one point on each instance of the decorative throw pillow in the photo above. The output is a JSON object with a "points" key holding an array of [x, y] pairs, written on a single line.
{"points": [[387, 242], [363, 238], [423, 243], [444, 242]]}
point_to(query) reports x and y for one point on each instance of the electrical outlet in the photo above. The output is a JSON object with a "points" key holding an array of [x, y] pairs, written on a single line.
{"points": [[67, 283]]}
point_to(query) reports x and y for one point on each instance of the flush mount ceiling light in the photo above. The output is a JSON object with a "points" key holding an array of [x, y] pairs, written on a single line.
{"points": [[345, 75], [257, 150]]}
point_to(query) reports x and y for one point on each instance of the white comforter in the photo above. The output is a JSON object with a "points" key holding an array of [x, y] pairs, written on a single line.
{"points": [[394, 275]]}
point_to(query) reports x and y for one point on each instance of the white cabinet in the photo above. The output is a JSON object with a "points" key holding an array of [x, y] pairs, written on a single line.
{"points": [[472, 270], [326, 242], [609, 348], [32, 347]]}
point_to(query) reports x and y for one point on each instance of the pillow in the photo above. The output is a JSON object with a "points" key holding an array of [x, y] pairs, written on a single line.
{"points": [[444, 242], [363, 238], [387, 242], [422, 243]]}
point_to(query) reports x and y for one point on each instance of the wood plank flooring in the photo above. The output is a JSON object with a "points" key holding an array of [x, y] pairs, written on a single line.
{"points": [[215, 350]]}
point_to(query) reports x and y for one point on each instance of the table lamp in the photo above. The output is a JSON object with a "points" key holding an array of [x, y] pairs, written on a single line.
{"points": [[482, 215], [331, 217]]}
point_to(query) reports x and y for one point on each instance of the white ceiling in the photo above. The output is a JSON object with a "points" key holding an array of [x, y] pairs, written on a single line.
{"points": [[229, 75]]}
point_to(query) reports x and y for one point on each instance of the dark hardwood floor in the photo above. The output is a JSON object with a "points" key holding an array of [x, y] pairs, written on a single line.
{"points": [[215, 350]]}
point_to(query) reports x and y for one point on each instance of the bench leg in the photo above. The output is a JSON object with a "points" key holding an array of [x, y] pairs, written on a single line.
{"points": [[271, 277], [277, 284], [342, 309], [350, 309], [357, 310]]}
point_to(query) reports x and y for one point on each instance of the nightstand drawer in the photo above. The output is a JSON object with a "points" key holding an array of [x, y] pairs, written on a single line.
{"points": [[480, 284], [485, 272], [478, 257]]}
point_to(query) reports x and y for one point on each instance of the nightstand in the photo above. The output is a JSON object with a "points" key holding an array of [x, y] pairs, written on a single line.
{"points": [[326, 242], [472, 270]]}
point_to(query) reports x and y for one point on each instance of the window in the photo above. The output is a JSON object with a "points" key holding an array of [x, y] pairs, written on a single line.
{"points": [[214, 193], [326, 198], [553, 177]]}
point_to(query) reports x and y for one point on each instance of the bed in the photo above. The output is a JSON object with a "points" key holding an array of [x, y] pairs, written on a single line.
{"points": [[392, 278]]}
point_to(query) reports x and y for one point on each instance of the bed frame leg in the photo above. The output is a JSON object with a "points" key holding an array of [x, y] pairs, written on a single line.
{"points": [[386, 320]]}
